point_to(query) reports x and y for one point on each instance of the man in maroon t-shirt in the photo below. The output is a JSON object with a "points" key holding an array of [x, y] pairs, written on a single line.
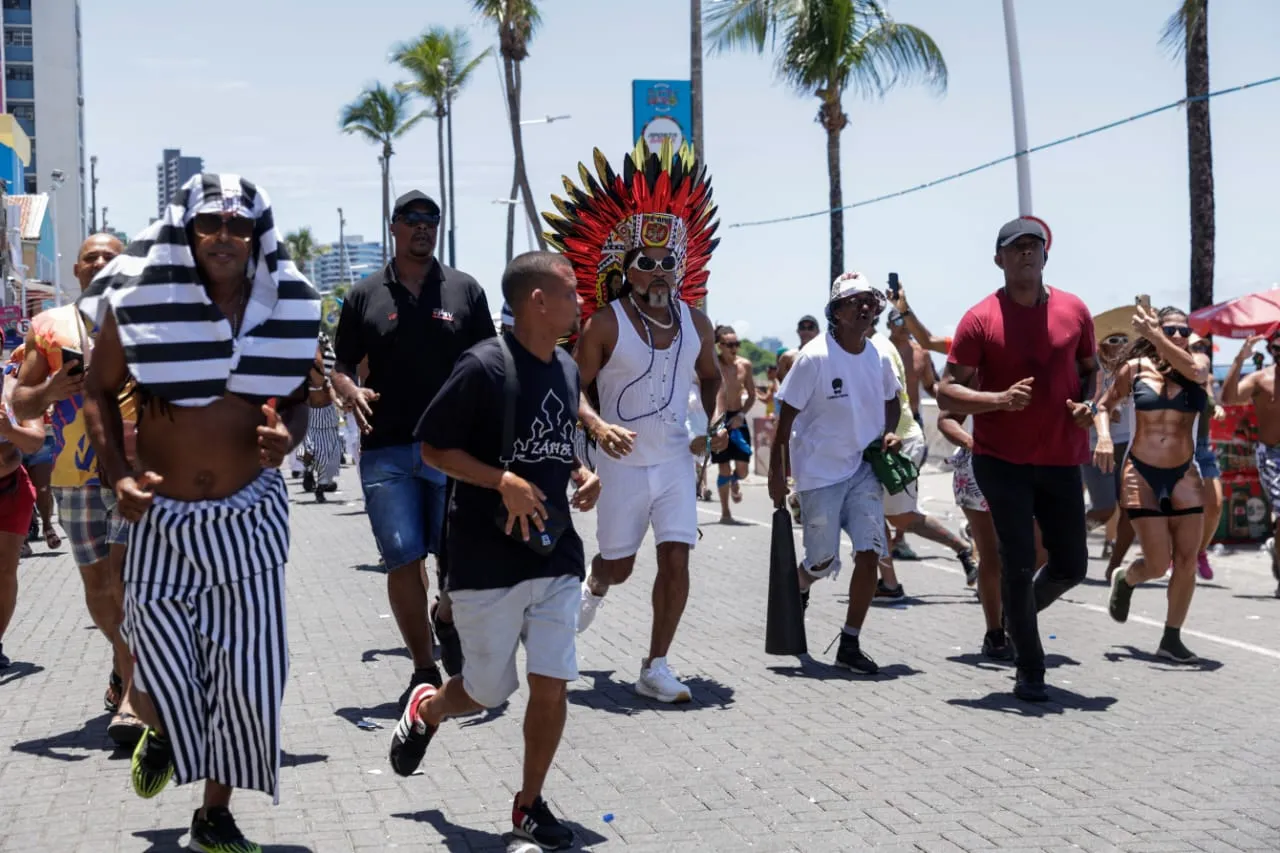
{"points": [[1021, 362]]}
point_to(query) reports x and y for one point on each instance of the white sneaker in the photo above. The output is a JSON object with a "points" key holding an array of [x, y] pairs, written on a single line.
{"points": [[658, 681], [587, 607]]}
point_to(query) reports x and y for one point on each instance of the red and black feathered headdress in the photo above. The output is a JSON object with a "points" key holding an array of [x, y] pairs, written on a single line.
{"points": [[660, 200]]}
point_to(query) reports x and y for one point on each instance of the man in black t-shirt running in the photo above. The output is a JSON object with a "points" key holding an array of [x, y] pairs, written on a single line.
{"points": [[520, 582]]}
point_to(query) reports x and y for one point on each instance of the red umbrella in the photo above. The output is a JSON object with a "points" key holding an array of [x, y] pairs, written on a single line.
{"points": [[1255, 314]]}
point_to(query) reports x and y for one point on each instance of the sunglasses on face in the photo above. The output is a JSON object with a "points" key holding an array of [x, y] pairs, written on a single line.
{"points": [[415, 218], [897, 321], [644, 263], [209, 224], [1180, 331], [731, 344], [807, 327], [1116, 341]]}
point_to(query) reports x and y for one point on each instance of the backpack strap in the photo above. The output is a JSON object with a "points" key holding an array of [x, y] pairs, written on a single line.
{"points": [[510, 392]]}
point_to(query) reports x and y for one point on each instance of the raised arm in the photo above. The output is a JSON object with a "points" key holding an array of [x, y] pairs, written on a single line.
{"points": [[916, 328], [1237, 391]]}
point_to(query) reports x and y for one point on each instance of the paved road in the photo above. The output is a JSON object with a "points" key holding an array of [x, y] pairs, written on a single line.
{"points": [[933, 755]]}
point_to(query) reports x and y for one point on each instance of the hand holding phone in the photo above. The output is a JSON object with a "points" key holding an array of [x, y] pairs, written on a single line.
{"points": [[69, 355], [894, 287], [1143, 300]]}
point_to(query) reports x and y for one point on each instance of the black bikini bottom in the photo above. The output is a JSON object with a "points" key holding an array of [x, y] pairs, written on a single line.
{"points": [[1162, 482]]}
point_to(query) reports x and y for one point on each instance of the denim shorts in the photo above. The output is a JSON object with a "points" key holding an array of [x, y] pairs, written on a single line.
{"points": [[405, 500], [43, 456], [854, 506], [1208, 461]]}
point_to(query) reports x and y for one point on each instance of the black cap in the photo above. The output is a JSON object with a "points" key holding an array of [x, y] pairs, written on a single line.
{"points": [[1011, 231], [412, 197], [807, 318]]}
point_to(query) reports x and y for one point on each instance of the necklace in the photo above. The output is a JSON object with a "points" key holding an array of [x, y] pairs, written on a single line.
{"points": [[236, 320], [653, 320], [658, 406]]}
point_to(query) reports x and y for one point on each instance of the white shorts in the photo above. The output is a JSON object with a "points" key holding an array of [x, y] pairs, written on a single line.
{"points": [[907, 500], [632, 497], [542, 612]]}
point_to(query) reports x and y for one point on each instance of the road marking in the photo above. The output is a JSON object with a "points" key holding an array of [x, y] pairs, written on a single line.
{"points": [[1154, 623]]}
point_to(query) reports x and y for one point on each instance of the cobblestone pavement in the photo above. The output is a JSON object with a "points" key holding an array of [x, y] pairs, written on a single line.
{"points": [[1133, 754]]}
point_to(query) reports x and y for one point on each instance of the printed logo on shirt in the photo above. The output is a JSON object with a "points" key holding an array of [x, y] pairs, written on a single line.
{"points": [[550, 436], [441, 314], [392, 315], [837, 389]]}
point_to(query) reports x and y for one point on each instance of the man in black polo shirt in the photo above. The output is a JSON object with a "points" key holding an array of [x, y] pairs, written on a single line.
{"points": [[411, 320]]}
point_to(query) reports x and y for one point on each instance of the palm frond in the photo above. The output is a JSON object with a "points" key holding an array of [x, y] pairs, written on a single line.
{"points": [[893, 53], [743, 24], [1174, 36]]}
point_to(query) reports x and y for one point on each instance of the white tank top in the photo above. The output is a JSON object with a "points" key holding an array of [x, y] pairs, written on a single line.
{"points": [[647, 390]]}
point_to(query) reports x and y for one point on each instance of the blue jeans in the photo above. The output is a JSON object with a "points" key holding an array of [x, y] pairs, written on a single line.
{"points": [[854, 506], [405, 500]]}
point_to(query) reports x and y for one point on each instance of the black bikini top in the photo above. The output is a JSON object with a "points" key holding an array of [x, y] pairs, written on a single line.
{"points": [[1191, 397]]}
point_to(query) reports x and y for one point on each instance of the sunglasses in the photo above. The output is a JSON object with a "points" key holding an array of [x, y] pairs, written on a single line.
{"points": [[807, 327], [1180, 331], [898, 321], [210, 224], [732, 345], [644, 263], [1116, 340], [419, 217]]}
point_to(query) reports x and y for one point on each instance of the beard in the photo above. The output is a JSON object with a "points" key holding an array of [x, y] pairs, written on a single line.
{"points": [[658, 297]]}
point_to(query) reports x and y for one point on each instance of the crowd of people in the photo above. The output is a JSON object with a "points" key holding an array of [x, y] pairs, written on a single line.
{"points": [[193, 368]]}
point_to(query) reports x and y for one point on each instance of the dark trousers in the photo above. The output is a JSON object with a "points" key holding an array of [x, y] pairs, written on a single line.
{"points": [[1019, 495]]}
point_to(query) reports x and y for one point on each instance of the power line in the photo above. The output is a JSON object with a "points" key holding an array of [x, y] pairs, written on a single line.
{"points": [[1009, 157]]}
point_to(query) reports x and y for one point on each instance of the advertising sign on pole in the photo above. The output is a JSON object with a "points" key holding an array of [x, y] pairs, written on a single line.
{"points": [[662, 110]]}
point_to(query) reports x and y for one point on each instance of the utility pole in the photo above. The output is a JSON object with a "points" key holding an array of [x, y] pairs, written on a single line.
{"points": [[451, 209], [1019, 111], [104, 217], [695, 74], [344, 263], [93, 194]]}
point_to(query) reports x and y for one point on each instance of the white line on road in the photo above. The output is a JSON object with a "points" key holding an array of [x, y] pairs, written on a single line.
{"points": [[1155, 623]]}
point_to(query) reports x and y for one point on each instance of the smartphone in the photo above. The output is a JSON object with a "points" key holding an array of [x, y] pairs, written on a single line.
{"points": [[1144, 300], [893, 285], [69, 354]]}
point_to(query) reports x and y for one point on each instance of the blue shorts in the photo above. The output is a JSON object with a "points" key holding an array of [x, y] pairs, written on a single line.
{"points": [[1208, 461], [405, 500], [43, 456]]}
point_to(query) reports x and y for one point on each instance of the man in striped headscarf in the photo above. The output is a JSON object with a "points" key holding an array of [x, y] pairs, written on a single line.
{"points": [[323, 444], [207, 315]]}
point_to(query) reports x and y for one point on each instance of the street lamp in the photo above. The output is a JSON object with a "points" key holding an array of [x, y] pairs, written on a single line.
{"points": [[93, 194], [545, 120], [56, 179], [446, 69], [344, 261], [513, 203]]}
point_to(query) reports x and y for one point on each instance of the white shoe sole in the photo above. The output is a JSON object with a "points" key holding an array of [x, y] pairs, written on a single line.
{"points": [[668, 698]]}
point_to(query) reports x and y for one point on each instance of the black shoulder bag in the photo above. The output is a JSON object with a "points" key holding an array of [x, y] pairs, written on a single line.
{"points": [[541, 542]]}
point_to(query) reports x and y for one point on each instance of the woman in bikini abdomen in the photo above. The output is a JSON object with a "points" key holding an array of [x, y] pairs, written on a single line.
{"points": [[1160, 484]]}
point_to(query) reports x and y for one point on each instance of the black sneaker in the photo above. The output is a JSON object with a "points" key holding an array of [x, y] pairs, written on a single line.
{"points": [[1029, 686], [970, 567], [536, 823], [217, 832], [450, 642], [996, 646], [851, 656], [412, 735], [887, 593], [1172, 649], [1121, 594], [430, 675], [308, 482], [320, 498], [4, 661]]}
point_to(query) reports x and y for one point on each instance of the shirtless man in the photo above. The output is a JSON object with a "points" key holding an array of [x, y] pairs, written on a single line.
{"points": [[806, 330], [204, 571], [737, 396], [1259, 388]]}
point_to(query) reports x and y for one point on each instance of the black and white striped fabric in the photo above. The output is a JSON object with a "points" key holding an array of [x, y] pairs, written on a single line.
{"points": [[324, 443], [204, 615], [178, 345]]}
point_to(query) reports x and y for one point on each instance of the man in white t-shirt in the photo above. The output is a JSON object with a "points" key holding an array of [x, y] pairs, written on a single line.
{"points": [[838, 399]]}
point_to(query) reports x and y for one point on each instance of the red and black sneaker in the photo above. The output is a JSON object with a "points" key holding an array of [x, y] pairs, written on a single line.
{"points": [[536, 823], [412, 735]]}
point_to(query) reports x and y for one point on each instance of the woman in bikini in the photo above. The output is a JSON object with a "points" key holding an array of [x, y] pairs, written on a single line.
{"points": [[1160, 482]]}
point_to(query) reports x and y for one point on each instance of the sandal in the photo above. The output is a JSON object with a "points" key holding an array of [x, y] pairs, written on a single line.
{"points": [[126, 730], [115, 693], [52, 539]]}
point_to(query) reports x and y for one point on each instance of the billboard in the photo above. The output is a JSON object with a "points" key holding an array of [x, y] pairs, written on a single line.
{"points": [[660, 110]]}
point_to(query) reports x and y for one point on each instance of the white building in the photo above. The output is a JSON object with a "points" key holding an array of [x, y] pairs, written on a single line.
{"points": [[45, 92], [333, 267]]}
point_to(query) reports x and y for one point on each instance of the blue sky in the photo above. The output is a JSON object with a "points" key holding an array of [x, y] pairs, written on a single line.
{"points": [[258, 92]]}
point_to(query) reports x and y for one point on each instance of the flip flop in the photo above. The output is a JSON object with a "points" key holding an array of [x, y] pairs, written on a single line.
{"points": [[126, 730]]}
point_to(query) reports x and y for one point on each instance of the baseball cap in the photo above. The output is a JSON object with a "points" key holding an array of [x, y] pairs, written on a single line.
{"points": [[1016, 228], [807, 318], [412, 197]]}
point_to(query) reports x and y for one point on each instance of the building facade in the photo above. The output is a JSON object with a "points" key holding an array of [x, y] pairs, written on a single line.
{"points": [[44, 92], [173, 171], [333, 267]]}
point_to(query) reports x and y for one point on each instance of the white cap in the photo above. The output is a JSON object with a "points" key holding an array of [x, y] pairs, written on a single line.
{"points": [[851, 284]]}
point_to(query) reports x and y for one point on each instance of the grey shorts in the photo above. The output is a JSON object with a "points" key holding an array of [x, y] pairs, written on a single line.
{"points": [[854, 506], [542, 613], [1104, 489]]}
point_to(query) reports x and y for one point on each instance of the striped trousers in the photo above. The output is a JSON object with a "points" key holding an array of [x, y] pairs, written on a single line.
{"points": [[324, 443], [204, 615]]}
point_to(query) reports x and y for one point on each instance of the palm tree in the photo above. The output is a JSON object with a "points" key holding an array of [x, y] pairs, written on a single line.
{"points": [[381, 116], [516, 20], [303, 249], [826, 48], [1187, 35], [424, 59]]}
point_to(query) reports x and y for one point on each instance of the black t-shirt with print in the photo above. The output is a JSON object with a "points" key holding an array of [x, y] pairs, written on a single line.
{"points": [[467, 415]]}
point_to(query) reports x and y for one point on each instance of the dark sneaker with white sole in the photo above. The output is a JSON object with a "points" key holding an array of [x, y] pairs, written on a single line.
{"points": [[429, 675], [217, 832], [851, 656], [1121, 594], [1171, 648], [996, 646], [413, 734], [450, 642], [1029, 686], [536, 823], [889, 593]]}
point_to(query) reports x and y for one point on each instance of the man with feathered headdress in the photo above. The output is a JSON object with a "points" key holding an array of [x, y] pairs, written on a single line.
{"points": [[650, 229], [205, 312]]}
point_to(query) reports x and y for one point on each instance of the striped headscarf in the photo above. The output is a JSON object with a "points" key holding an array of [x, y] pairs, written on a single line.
{"points": [[177, 343]]}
